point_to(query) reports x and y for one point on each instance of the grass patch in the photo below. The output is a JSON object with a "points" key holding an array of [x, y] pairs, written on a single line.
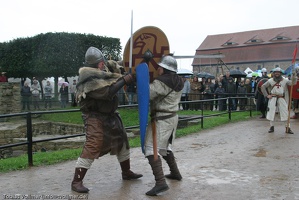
{"points": [[129, 117], [39, 159]]}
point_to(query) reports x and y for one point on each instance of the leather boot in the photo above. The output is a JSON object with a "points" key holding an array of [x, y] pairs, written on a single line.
{"points": [[77, 183], [271, 130], [174, 171], [289, 131], [160, 185], [127, 174]]}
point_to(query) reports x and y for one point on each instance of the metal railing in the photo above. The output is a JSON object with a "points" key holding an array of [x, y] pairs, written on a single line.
{"points": [[29, 135]]}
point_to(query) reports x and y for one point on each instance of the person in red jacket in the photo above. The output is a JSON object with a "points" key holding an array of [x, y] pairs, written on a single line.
{"points": [[3, 78]]}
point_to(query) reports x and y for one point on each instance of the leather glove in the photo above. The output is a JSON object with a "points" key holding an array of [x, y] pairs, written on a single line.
{"points": [[129, 78]]}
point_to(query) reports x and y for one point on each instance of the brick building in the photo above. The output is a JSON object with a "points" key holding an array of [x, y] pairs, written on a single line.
{"points": [[255, 49]]}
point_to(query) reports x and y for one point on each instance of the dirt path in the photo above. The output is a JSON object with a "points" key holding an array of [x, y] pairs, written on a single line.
{"points": [[236, 161]]}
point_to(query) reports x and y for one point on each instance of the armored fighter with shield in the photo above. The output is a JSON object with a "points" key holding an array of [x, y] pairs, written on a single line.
{"points": [[105, 133], [276, 90], [165, 95]]}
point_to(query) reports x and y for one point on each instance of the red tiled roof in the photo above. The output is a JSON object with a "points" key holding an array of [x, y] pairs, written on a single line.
{"points": [[266, 35], [268, 45]]}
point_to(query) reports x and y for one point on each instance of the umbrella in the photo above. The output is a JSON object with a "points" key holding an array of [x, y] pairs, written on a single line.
{"points": [[235, 73], [205, 75], [290, 69], [257, 74], [184, 72], [65, 83], [248, 70]]}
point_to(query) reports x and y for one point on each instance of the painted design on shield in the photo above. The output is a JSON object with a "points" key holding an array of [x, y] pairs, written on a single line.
{"points": [[147, 38]]}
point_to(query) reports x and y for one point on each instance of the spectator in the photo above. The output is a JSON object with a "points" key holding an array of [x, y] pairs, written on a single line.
{"points": [[217, 81], [220, 93], [195, 93], [131, 90], [296, 102], [26, 95], [242, 90], [35, 90], [238, 82], [208, 94], [224, 81], [253, 83], [261, 101], [48, 95], [185, 93], [231, 93], [63, 92], [3, 78], [73, 91], [248, 91]]}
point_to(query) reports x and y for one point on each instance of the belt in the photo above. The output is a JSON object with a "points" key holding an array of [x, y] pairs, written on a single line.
{"points": [[163, 117], [277, 96], [156, 118]]}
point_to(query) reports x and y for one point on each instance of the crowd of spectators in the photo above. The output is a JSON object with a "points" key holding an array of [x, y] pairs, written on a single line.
{"points": [[38, 96], [239, 89]]}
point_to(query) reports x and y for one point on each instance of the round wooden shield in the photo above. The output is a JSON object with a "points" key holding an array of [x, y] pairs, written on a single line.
{"points": [[260, 83], [295, 92], [147, 38]]}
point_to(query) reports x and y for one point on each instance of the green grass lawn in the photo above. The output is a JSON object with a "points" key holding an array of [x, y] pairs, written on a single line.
{"points": [[130, 118]]}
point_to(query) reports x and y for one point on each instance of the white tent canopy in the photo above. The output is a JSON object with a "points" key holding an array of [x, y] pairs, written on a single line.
{"points": [[248, 70]]}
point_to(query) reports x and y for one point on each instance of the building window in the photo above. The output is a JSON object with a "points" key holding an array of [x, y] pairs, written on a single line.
{"points": [[229, 43], [279, 38], [276, 66], [254, 41]]}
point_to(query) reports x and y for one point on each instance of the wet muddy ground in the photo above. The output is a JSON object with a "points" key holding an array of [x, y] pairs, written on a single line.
{"points": [[236, 161]]}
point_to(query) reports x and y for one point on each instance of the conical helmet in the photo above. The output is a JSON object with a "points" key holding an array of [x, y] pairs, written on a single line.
{"points": [[93, 56]]}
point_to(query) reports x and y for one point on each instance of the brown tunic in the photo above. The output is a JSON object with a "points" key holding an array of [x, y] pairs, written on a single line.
{"points": [[103, 126]]}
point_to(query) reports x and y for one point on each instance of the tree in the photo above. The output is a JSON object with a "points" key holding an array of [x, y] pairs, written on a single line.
{"points": [[52, 54]]}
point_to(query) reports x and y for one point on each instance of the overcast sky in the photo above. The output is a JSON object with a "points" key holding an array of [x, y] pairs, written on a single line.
{"points": [[185, 23]]}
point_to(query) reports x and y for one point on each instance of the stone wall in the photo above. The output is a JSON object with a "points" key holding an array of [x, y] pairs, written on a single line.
{"points": [[12, 133], [10, 98]]}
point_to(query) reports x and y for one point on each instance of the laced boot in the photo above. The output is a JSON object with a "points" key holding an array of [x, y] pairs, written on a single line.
{"points": [[161, 184], [271, 130], [174, 171], [77, 183], [289, 131], [127, 174]]}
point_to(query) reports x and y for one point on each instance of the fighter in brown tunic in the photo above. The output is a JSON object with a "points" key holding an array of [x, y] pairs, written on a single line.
{"points": [[96, 94]]}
